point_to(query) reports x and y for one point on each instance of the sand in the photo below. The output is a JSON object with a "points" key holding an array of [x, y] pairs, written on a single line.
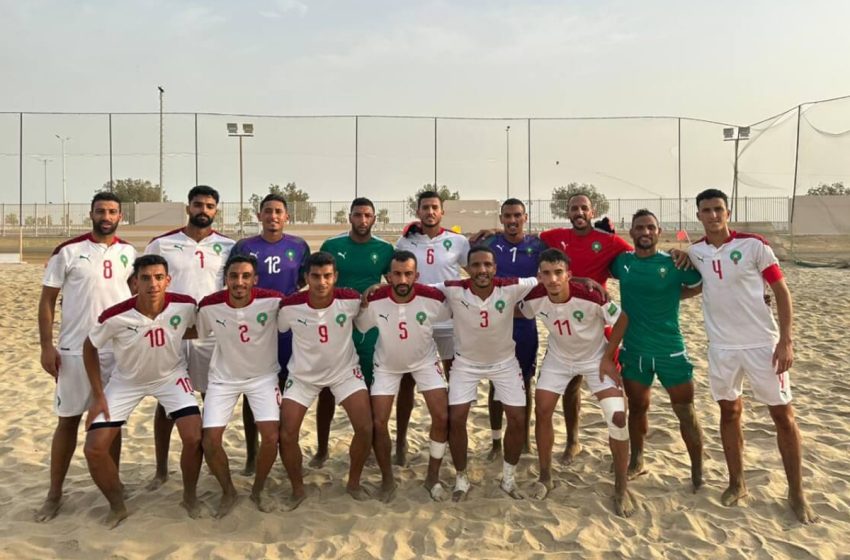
{"points": [[576, 519]]}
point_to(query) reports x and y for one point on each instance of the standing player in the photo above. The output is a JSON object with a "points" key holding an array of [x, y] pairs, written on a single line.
{"points": [[361, 260], [280, 263], [650, 290], [404, 314], [440, 255], [243, 319], [322, 323], [745, 340], [147, 333], [517, 256], [483, 310], [196, 255], [91, 271], [576, 319]]}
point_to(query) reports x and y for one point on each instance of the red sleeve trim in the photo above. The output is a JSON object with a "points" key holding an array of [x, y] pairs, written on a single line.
{"points": [[537, 292], [505, 281], [457, 283], [381, 293], [737, 235], [214, 299], [772, 274], [117, 309], [428, 292], [298, 298], [581, 292], [221, 234], [78, 239], [346, 293], [166, 234]]}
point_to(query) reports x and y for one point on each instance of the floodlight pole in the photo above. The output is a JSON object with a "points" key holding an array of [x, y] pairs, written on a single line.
{"points": [[735, 180], [62, 141], [161, 186], [508, 162], [234, 131], [241, 177]]}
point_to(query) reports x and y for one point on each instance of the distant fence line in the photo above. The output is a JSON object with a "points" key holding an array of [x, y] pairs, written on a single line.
{"points": [[673, 213]]}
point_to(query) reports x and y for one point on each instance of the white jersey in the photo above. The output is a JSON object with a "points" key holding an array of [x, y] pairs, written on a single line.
{"points": [[196, 268], [245, 337], [733, 278], [576, 327], [438, 259], [321, 338], [146, 350], [405, 330], [92, 276], [484, 329]]}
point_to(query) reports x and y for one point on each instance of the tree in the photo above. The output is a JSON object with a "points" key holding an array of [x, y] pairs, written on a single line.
{"points": [[835, 189], [444, 192], [383, 216], [341, 216], [134, 190], [561, 195], [300, 210]]}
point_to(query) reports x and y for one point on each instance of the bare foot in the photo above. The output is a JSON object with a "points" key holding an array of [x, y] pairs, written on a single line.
{"points": [[696, 477], [294, 501], [250, 469], [801, 509], [192, 507], [624, 504], [400, 458], [570, 453], [436, 490], [318, 460], [541, 489], [359, 493], [733, 494], [228, 500], [495, 452], [387, 491], [115, 517], [48, 510], [157, 481], [264, 503], [511, 489], [636, 468], [461, 489]]}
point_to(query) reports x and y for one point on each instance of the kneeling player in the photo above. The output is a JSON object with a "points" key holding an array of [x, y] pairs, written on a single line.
{"points": [[243, 319], [405, 313], [576, 320], [146, 333], [321, 320]]}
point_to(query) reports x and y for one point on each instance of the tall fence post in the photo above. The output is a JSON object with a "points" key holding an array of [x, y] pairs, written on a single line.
{"points": [[356, 150], [196, 148], [796, 164], [435, 153], [111, 177], [679, 162], [528, 135]]}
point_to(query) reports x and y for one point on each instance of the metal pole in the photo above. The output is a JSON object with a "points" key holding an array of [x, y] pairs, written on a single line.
{"points": [[241, 229], [435, 153], [161, 185], [528, 135], [111, 178], [735, 180], [44, 161], [508, 162], [196, 148], [356, 150], [21, 174], [796, 166], [679, 162]]}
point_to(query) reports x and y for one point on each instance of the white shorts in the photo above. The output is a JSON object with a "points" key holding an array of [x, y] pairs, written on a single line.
{"points": [[262, 393], [342, 384], [505, 376], [73, 390], [445, 340], [198, 356], [174, 393], [427, 378], [726, 370], [556, 374]]}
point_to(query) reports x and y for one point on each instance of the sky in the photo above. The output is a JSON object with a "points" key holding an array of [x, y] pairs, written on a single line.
{"points": [[729, 61]]}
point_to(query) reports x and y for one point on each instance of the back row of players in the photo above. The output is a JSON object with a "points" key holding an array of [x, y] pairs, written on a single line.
{"points": [[326, 343]]}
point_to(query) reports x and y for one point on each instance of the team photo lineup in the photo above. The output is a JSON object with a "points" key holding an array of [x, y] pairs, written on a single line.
{"points": [[200, 321]]}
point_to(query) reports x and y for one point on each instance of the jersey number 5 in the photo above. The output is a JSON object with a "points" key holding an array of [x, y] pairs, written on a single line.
{"points": [[402, 327]]}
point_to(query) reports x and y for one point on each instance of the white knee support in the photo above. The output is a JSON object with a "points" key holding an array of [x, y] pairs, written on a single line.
{"points": [[611, 406], [437, 449]]}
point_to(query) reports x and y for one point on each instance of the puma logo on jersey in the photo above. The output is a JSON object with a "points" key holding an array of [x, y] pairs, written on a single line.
{"points": [[384, 317], [254, 254], [700, 258], [564, 245], [543, 313], [499, 247], [463, 303], [86, 257], [341, 254], [178, 246], [302, 321], [626, 267], [134, 329], [220, 322]]}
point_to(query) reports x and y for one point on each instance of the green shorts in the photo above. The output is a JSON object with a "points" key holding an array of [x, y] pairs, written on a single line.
{"points": [[365, 343], [671, 370]]}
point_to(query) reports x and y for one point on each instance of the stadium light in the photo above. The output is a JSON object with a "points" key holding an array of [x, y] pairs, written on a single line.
{"points": [[247, 131], [507, 162], [62, 140], [735, 134]]}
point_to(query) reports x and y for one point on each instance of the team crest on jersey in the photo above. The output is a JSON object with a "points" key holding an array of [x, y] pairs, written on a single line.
{"points": [[663, 271], [288, 384], [529, 251], [262, 318], [447, 244], [340, 319], [736, 256], [612, 309], [175, 321], [124, 260], [596, 246], [217, 248], [420, 317], [578, 315], [374, 257], [290, 254], [500, 306]]}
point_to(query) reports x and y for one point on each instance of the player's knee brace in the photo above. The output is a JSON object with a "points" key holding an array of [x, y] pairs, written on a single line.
{"points": [[610, 406], [437, 449]]}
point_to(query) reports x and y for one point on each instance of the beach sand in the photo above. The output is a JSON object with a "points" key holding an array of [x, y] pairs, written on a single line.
{"points": [[576, 519]]}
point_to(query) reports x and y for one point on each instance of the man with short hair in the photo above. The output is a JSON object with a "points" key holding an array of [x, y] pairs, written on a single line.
{"points": [[323, 357], [405, 312], [196, 254], [440, 255], [517, 256], [576, 320], [744, 340], [280, 267], [650, 290], [243, 319], [483, 311], [91, 271], [147, 333]]}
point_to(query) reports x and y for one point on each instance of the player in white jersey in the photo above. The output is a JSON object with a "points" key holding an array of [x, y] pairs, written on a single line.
{"points": [[744, 340], [440, 255], [576, 318], [405, 313], [146, 332], [483, 311], [322, 320], [91, 272], [196, 255], [243, 319]]}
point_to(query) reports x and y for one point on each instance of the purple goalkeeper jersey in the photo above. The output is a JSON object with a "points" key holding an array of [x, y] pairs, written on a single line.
{"points": [[280, 265], [516, 260]]}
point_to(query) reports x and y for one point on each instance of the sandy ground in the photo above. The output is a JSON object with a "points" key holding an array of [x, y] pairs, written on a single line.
{"points": [[576, 519]]}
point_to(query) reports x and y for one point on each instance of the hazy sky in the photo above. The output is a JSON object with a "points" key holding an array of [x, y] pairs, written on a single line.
{"points": [[731, 61]]}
